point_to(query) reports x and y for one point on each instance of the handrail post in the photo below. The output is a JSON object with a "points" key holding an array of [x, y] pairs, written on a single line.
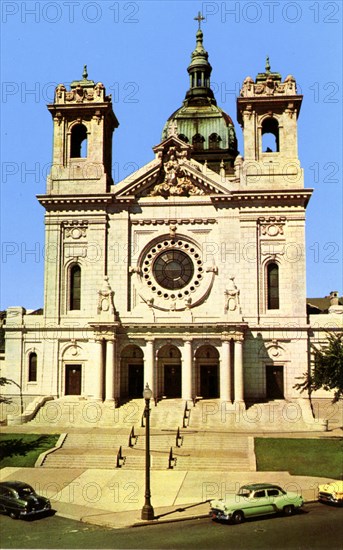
{"points": [[119, 457], [171, 459]]}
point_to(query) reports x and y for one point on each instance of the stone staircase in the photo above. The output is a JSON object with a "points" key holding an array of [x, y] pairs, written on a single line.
{"points": [[197, 451], [77, 412], [273, 416]]}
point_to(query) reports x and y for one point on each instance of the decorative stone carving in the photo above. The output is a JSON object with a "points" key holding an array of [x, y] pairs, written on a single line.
{"points": [[75, 229], [105, 299], [175, 181], [232, 297], [272, 227]]}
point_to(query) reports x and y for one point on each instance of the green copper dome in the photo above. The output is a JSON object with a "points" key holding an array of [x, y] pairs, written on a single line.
{"points": [[200, 121]]}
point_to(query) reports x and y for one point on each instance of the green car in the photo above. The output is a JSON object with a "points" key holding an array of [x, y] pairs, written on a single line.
{"points": [[257, 499]]}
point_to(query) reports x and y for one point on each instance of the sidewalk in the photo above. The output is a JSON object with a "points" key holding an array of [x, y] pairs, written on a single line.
{"points": [[115, 498]]}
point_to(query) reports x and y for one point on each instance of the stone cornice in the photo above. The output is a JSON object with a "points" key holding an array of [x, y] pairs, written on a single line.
{"points": [[276, 196], [296, 196]]}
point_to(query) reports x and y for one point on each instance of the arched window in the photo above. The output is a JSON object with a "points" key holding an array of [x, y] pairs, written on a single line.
{"points": [[78, 144], [272, 286], [198, 142], [75, 287], [214, 141], [270, 135], [183, 137], [33, 367]]}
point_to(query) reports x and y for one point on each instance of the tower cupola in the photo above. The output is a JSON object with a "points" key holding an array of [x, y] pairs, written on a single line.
{"points": [[199, 71], [199, 121]]}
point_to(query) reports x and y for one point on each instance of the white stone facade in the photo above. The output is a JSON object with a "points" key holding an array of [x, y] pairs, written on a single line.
{"points": [[165, 277]]}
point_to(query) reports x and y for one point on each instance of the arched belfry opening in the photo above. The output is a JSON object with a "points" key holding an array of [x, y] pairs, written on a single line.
{"points": [[270, 135], [78, 141]]}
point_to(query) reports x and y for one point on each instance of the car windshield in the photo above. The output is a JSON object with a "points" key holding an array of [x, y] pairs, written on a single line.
{"points": [[243, 492], [25, 491]]}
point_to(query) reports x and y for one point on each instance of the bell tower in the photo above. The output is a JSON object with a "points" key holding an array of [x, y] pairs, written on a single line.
{"points": [[267, 110], [82, 151]]}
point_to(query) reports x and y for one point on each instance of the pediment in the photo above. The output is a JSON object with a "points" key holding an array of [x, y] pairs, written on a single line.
{"points": [[173, 173]]}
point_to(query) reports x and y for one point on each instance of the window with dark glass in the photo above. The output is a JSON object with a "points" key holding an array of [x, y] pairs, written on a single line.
{"points": [[78, 144], [75, 287], [214, 141], [173, 269], [33, 367], [198, 141], [273, 286]]}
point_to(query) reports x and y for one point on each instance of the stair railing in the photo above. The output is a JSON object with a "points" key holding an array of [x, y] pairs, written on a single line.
{"points": [[120, 458], [132, 437], [171, 460], [186, 415], [179, 438]]}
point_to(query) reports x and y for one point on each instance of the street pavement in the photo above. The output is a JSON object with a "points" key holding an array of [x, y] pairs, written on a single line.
{"points": [[114, 498]]}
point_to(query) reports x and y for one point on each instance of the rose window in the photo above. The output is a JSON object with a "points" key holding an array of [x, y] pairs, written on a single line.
{"points": [[172, 269]]}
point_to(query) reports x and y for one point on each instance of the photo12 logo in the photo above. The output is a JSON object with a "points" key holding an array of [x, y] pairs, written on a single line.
{"points": [[70, 12]]}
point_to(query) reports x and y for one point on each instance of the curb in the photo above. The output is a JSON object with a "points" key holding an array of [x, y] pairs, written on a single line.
{"points": [[40, 460]]}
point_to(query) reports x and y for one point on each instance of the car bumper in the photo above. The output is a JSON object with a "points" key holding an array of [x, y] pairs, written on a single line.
{"points": [[219, 515], [331, 499], [37, 511]]}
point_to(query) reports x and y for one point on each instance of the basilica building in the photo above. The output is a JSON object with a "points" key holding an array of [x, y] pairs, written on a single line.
{"points": [[188, 275]]}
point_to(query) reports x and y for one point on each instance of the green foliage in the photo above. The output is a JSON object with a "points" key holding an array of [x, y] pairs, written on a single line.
{"points": [[308, 457], [327, 372], [22, 450]]}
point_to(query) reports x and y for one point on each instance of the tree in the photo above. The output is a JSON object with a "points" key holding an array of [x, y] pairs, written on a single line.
{"points": [[3, 382], [327, 372]]}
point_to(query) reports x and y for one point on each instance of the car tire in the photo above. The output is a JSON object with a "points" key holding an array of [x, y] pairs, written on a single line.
{"points": [[14, 515], [288, 510], [238, 517]]}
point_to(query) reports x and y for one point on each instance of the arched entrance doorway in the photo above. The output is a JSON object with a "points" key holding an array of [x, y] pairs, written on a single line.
{"points": [[207, 364], [131, 372], [169, 372]]}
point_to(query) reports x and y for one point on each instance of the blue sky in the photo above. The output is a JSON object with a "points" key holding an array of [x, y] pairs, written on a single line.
{"points": [[140, 51]]}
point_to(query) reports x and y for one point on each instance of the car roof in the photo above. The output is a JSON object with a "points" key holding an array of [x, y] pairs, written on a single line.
{"points": [[256, 486], [14, 484]]}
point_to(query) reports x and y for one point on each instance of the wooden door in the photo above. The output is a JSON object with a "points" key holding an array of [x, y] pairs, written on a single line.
{"points": [[73, 379]]}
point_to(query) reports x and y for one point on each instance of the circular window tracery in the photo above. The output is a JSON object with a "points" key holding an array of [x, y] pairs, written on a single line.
{"points": [[174, 266], [173, 269]]}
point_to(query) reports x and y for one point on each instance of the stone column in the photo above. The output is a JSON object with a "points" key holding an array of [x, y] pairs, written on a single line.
{"points": [[238, 363], [149, 365], [186, 371], [110, 366], [98, 369], [225, 372]]}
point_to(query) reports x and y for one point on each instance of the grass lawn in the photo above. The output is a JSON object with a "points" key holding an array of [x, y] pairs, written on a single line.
{"points": [[312, 457], [22, 450]]}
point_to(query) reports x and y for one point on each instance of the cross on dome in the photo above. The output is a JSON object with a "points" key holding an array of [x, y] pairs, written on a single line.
{"points": [[199, 18]]}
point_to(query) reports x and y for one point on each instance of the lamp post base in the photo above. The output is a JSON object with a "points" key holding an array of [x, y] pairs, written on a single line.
{"points": [[147, 512]]}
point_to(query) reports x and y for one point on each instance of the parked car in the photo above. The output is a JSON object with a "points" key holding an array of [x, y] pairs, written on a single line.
{"points": [[19, 500], [331, 493], [257, 499]]}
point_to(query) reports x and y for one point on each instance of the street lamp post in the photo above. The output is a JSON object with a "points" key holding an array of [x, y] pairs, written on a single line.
{"points": [[147, 510]]}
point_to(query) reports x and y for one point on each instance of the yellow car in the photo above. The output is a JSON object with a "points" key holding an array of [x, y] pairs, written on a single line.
{"points": [[331, 492]]}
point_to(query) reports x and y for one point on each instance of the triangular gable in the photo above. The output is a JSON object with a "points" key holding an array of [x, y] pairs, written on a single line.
{"points": [[171, 173]]}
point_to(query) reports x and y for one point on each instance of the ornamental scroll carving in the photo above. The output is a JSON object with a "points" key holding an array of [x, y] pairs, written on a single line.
{"points": [[272, 227], [75, 229]]}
